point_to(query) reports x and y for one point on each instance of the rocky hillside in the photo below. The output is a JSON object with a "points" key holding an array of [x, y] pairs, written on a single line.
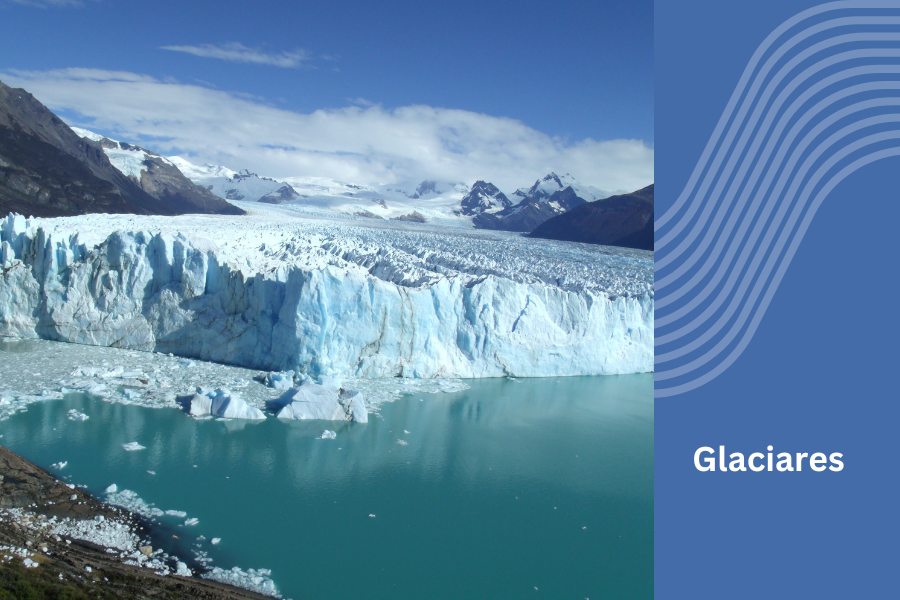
{"points": [[548, 197], [46, 169], [625, 220]]}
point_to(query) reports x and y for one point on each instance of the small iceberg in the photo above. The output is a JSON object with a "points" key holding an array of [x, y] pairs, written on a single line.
{"points": [[314, 401], [191, 521], [220, 403], [74, 415], [132, 446], [282, 380], [327, 435], [60, 465]]}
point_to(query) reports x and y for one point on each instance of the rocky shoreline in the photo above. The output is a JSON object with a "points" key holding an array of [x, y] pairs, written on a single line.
{"points": [[54, 535]]}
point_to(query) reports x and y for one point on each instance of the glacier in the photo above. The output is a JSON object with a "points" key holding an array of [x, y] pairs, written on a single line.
{"points": [[281, 291]]}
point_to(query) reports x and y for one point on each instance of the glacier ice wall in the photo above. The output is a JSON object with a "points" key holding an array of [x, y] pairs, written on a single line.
{"points": [[170, 293]]}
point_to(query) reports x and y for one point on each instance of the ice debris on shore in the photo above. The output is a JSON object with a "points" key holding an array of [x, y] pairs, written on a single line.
{"points": [[220, 403], [314, 401], [255, 580]]}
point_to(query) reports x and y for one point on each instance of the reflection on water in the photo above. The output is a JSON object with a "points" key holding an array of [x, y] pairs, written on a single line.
{"points": [[510, 485]]}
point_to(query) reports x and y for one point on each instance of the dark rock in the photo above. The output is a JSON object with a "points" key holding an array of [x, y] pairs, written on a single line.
{"points": [[625, 220], [59, 173], [413, 217], [283, 194], [483, 196]]}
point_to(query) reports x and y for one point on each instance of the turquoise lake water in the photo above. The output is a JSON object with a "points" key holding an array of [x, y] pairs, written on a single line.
{"points": [[503, 488]]}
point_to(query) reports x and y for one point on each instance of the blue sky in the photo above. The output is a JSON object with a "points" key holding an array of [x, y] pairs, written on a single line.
{"points": [[514, 87]]}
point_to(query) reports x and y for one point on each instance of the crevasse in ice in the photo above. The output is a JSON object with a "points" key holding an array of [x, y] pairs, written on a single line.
{"points": [[324, 298]]}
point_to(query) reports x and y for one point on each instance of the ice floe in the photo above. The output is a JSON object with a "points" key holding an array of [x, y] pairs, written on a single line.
{"points": [[74, 415], [256, 580], [220, 403], [320, 402]]}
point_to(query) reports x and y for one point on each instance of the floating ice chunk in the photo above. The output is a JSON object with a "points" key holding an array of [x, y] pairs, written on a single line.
{"points": [[320, 402], [327, 435], [60, 465], [406, 432], [215, 541], [112, 489], [283, 380], [152, 472], [402, 443], [129, 500], [221, 403], [176, 513], [132, 446], [191, 521], [372, 516], [74, 415]]}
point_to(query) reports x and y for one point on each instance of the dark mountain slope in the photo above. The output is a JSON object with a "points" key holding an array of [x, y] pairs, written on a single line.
{"points": [[164, 181], [46, 169], [40, 180], [625, 220]]}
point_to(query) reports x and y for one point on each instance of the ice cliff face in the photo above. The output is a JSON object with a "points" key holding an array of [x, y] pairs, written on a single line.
{"points": [[326, 299]]}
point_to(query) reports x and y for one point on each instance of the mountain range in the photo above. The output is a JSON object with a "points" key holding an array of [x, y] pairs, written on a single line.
{"points": [[49, 169]]}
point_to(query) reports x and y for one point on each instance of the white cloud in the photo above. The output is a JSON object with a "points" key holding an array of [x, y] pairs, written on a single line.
{"points": [[235, 52], [363, 144]]}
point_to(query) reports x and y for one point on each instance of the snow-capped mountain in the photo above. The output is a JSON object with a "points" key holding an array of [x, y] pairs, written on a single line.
{"points": [[548, 197], [484, 206], [225, 183], [157, 175], [484, 197], [48, 169], [544, 188], [623, 220]]}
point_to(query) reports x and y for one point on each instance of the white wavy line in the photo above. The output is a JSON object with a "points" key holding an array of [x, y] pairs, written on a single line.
{"points": [[742, 83], [750, 130], [740, 296], [736, 241], [724, 238], [779, 275]]}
